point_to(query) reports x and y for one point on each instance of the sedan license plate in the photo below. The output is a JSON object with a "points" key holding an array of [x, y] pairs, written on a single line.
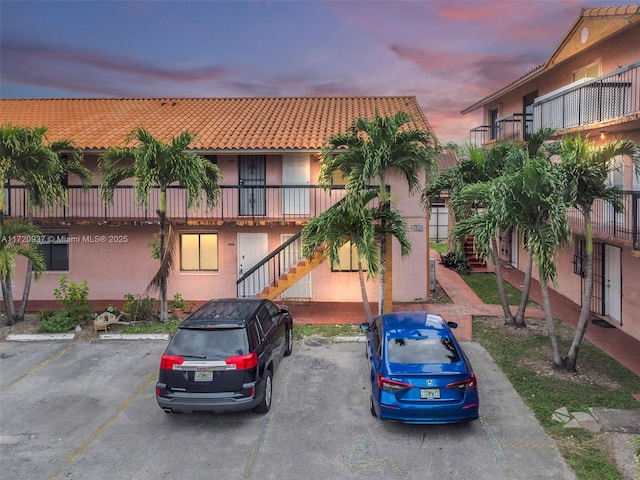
{"points": [[429, 393], [202, 376]]}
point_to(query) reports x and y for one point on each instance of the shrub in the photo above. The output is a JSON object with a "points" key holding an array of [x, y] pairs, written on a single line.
{"points": [[73, 298], [139, 308], [59, 322], [456, 261]]}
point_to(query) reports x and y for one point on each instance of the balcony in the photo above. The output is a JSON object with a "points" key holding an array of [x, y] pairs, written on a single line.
{"points": [[608, 98], [608, 224], [512, 128], [237, 203]]}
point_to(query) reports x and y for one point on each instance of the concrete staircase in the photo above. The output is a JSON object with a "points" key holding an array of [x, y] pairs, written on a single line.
{"points": [[476, 262], [294, 274]]}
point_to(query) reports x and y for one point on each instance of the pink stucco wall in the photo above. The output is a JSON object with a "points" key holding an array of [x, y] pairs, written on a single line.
{"points": [[115, 260]]}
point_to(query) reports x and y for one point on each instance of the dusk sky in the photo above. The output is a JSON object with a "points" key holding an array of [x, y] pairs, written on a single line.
{"points": [[448, 54]]}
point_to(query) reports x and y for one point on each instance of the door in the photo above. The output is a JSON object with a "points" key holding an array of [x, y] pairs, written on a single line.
{"points": [[514, 248], [252, 180], [613, 283], [252, 248], [302, 288], [295, 171], [616, 179]]}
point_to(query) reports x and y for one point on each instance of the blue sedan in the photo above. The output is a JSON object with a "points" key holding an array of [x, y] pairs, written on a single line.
{"points": [[419, 372]]}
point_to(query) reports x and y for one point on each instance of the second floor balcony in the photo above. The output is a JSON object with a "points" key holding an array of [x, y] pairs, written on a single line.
{"points": [[607, 224], [608, 98], [237, 203], [594, 103]]}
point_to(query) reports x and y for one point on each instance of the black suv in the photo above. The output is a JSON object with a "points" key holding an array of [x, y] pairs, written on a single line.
{"points": [[222, 358]]}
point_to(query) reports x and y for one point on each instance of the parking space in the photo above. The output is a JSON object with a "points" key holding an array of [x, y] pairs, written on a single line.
{"points": [[87, 411]]}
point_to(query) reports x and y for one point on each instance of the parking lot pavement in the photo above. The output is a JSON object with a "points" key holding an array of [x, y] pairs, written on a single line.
{"points": [[87, 411]]}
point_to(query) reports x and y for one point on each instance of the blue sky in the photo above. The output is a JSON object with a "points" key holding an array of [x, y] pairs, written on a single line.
{"points": [[448, 54]]}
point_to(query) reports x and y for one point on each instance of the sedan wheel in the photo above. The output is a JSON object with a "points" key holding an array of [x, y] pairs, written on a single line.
{"points": [[265, 405], [373, 410]]}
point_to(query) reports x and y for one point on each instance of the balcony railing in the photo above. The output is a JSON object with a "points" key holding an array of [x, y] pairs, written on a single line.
{"points": [[606, 222], [283, 203], [603, 99], [513, 128]]}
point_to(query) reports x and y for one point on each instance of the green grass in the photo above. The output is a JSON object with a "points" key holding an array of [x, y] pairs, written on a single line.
{"points": [[169, 327], [486, 287], [299, 330], [439, 247], [525, 358], [306, 330]]}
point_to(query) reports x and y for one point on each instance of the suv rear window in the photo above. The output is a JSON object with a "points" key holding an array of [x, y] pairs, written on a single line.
{"points": [[215, 344], [422, 350]]}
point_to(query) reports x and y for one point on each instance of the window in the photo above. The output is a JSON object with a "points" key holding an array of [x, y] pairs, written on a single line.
{"points": [[273, 309], [493, 123], [590, 71], [212, 158], [348, 256], [199, 251], [266, 322], [527, 109], [55, 250]]}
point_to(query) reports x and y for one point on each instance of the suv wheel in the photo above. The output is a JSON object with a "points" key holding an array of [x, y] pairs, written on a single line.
{"points": [[289, 341], [265, 404]]}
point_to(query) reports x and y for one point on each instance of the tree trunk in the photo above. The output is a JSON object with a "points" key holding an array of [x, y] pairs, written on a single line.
{"points": [[548, 315], [162, 213], [571, 359], [25, 292], [526, 287], [363, 289], [7, 295], [508, 317]]}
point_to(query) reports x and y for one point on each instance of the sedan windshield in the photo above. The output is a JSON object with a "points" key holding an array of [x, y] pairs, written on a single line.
{"points": [[422, 350]]}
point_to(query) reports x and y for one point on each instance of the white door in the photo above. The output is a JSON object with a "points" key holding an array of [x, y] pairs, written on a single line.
{"points": [[616, 179], [295, 171], [515, 243], [613, 283], [302, 288], [252, 247]]}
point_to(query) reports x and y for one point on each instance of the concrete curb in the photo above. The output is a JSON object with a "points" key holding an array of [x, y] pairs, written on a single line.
{"points": [[134, 336], [355, 338], [39, 337]]}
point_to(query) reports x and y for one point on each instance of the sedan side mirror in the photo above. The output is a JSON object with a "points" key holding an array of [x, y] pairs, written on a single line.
{"points": [[364, 327], [452, 324]]}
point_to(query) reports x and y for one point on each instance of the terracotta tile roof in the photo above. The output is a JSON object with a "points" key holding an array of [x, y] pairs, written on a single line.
{"points": [[446, 159], [595, 12], [223, 124]]}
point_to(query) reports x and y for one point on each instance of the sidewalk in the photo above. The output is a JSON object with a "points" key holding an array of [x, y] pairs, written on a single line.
{"points": [[466, 304]]}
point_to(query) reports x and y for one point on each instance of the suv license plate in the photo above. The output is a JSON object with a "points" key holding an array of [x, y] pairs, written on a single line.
{"points": [[429, 393], [202, 376]]}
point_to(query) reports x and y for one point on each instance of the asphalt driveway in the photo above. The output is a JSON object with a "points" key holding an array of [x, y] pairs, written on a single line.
{"points": [[86, 410]]}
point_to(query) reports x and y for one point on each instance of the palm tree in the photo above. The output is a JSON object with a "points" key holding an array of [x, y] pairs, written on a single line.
{"points": [[10, 230], [469, 184], [471, 181], [154, 164], [369, 151], [40, 166], [352, 221], [588, 169]]}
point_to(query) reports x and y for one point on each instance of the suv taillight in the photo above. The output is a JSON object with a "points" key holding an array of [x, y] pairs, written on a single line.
{"points": [[168, 361], [469, 384], [243, 362]]}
